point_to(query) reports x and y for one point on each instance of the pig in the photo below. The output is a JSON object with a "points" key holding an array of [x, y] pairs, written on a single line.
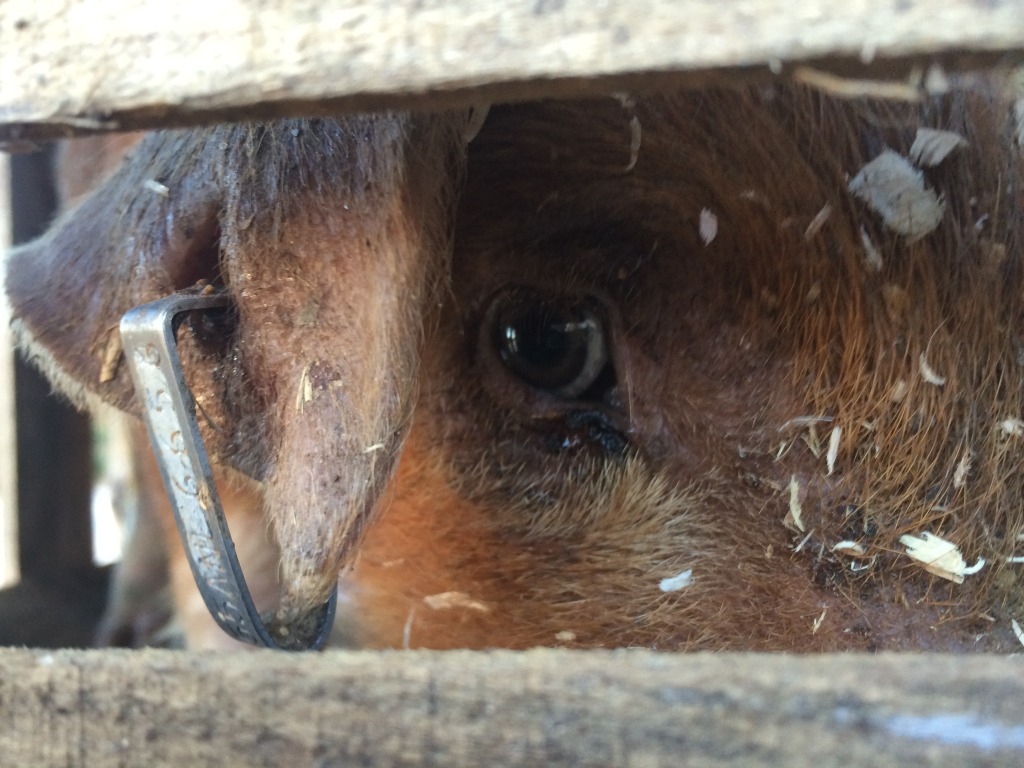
{"points": [[708, 369]]}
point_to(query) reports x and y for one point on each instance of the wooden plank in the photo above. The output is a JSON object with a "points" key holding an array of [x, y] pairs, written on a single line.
{"points": [[8, 457], [543, 707], [86, 65]]}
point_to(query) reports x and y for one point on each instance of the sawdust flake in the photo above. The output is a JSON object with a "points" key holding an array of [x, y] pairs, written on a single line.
{"points": [[833, 448], [895, 190], [928, 373], [444, 601], [708, 226], [931, 147], [939, 557], [677, 582], [794, 519], [1012, 427]]}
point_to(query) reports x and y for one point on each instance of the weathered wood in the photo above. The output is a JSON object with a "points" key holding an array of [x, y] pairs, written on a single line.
{"points": [[8, 465], [632, 708], [85, 65]]}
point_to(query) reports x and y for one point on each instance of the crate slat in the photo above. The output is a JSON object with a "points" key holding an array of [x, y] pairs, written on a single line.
{"points": [[85, 65], [543, 707]]}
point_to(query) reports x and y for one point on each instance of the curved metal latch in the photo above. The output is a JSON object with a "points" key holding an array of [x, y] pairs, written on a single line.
{"points": [[148, 334]]}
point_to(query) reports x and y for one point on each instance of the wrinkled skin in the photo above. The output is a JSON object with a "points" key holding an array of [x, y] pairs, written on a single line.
{"points": [[473, 487]]}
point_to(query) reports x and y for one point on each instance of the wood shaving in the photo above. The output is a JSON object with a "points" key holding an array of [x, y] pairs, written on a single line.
{"points": [[935, 81], [817, 622], [794, 519], [846, 88], [477, 117], [305, 393], [444, 601], [939, 557], [753, 196], [1012, 427], [928, 373], [963, 468], [872, 256], [833, 448], [850, 547], [112, 354], [677, 582], [1017, 630], [899, 391], [812, 441], [156, 187], [635, 137], [803, 541], [805, 421], [708, 226], [407, 629], [931, 147], [818, 222], [895, 190]]}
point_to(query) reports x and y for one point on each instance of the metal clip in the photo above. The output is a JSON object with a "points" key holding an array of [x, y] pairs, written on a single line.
{"points": [[148, 334]]}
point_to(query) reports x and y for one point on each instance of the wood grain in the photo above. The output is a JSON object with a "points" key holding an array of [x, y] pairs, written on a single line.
{"points": [[543, 707], [75, 66]]}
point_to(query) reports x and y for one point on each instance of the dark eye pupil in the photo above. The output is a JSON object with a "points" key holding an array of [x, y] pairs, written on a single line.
{"points": [[554, 348], [545, 349]]}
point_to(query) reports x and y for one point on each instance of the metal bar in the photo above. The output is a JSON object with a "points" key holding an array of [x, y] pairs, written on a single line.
{"points": [[149, 339]]}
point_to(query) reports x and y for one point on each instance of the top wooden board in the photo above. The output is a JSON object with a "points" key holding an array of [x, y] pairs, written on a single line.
{"points": [[74, 66]]}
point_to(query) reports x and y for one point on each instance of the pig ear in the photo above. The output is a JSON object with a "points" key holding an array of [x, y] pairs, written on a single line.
{"points": [[151, 229]]}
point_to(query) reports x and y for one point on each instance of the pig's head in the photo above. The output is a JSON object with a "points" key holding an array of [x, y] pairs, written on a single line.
{"points": [[332, 238], [686, 387]]}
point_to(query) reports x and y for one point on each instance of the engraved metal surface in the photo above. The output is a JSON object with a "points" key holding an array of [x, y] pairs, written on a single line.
{"points": [[148, 334]]}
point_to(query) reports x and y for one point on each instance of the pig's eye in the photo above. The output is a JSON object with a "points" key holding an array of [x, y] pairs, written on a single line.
{"points": [[558, 348]]}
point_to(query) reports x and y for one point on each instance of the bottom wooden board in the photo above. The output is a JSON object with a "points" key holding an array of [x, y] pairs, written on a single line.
{"points": [[544, 707]]}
